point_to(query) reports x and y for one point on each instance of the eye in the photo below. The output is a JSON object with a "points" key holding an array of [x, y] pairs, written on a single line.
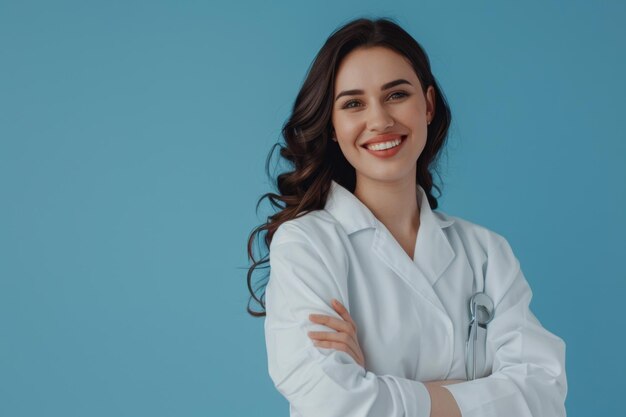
{"points": [[398, 94], [402, 94], [347, 105]]}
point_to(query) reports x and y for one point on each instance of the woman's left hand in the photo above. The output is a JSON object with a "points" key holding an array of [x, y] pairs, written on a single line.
{"points": [[345, 339]]}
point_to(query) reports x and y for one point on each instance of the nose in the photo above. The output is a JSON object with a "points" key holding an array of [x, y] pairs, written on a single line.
{"points": [[379, 118]]}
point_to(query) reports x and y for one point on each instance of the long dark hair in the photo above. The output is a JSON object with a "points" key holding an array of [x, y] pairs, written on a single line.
{"points": [[314, 158]]}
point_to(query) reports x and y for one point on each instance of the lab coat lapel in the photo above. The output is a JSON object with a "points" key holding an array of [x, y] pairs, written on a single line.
{"points": [[433, 252]]}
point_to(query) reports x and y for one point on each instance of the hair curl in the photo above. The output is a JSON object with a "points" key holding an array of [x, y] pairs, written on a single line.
{"points": [[315, 160]]}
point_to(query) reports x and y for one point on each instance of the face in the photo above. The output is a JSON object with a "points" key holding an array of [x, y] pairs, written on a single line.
{"points": [[393, 113]]}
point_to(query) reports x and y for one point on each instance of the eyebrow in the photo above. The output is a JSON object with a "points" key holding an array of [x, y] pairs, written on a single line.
{"points": [[383, 88]]}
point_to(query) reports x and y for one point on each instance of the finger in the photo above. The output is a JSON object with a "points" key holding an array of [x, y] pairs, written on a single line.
{"points": [[337, 337], [332, 322], [337, 346], [328, 344], [332, 336], [343, 312]]}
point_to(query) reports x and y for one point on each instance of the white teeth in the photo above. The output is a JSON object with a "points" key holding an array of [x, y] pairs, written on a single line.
{"points": [[384, 145]]}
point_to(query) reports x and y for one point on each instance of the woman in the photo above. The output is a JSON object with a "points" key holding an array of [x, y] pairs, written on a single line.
{"points": [[368, 298]]}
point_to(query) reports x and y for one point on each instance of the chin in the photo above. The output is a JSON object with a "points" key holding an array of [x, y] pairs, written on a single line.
{"points": [[387, 176]]}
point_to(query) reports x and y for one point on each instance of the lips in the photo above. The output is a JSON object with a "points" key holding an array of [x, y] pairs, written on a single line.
{"points": [[389, 152], [383, 138]]}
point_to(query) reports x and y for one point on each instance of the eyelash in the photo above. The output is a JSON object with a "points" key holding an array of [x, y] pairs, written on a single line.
{"points": [[347, 104]]}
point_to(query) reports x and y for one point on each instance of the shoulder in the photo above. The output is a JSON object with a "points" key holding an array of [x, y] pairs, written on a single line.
{"points": [[471, 233], [312, 237], [316, 227]]}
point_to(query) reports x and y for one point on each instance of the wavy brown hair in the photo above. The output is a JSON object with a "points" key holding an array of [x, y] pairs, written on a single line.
{"points": [[315, 159]]}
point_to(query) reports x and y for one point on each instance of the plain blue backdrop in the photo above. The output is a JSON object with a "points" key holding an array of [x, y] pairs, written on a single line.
{"points": [[133, 138]]}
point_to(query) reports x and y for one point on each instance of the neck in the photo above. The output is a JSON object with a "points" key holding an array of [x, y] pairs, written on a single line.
{"points": [[393, 203]]}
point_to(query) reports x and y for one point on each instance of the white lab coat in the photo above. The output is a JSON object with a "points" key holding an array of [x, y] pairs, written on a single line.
{"points": [[412, 317]]}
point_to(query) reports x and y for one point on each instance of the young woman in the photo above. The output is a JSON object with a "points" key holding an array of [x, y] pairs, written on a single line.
{"points": [[377, 305]]}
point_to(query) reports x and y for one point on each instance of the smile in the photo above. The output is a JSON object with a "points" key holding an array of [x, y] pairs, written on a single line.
{"points": [[386, 149], [384, 145]]}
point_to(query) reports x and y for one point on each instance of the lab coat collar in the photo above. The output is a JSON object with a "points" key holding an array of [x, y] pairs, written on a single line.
{"points": [[433, 252], [354, 215]]}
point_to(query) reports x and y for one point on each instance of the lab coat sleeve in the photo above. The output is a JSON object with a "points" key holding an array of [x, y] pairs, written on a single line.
{"points": [[528, 372], [304, 277]]}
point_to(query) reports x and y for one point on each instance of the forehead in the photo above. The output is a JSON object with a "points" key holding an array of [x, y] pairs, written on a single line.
{"points": [[372, 67]]}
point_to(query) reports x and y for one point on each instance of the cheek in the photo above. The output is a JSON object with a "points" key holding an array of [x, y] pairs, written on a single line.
{"points": [[347, 128], [413, 114]]}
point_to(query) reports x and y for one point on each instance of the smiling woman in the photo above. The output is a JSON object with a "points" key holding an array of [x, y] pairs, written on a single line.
{"points": [[372, 293], [388, 119]]}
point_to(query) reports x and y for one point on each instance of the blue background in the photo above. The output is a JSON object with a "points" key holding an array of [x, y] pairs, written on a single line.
{"points": [[133, 137]]}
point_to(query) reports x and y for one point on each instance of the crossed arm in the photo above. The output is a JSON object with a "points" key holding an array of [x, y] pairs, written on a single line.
{"points": [[345, 339], [528, 377]]}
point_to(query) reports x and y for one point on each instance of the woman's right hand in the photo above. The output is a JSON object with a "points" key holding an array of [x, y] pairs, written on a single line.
{"points": [[344, 339]]}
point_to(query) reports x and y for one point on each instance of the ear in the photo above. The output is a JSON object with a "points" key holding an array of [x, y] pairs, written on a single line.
{"points": [[430, 103]]}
